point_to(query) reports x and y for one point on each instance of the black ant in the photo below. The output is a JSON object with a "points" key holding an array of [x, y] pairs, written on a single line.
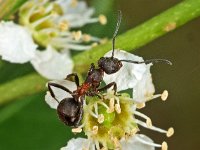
{"points": [[70, 110]]}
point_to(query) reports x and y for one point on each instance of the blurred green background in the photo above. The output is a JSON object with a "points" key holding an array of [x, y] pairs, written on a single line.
{"points": [[28, 123]]}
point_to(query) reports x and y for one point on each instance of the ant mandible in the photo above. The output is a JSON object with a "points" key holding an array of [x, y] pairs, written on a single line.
{"points": [[70, 109]]}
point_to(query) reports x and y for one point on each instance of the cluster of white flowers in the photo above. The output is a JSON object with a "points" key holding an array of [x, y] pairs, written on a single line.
{"points": [[111, 122], [53, 26]]}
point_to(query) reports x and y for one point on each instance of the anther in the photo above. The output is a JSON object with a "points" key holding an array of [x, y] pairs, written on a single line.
{"points": [[111, 105], [74, 3], [95, 129], [102, 19], [86, 37], [100, 118], [77, 35], [140, 105], [164, 95], [117, 108], [133, 131], [64, 25], [77, 130], [149, 123], [164, 146], [170, 132]]}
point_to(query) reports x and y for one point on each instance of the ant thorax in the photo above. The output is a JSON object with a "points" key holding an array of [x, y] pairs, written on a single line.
{"points": [[95, 76]]}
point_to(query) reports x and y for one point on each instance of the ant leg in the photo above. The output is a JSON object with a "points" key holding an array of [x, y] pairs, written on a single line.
{"points": [[58, 86], [108, 86], [75, 77]]}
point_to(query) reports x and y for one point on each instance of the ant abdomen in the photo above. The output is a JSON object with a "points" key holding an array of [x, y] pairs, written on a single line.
{"points": [[69, 111], [109, 65]]}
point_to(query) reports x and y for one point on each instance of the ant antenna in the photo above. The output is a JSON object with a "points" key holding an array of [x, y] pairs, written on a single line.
{"points": [[149, 61], [116, 31]]}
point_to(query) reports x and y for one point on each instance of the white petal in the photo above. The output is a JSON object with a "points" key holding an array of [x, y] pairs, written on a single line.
{"points": [[129, 75], [59, 93], [144, 89], [77, 144], [52, 64], [16, 44], [78, 15], [134, 144]]}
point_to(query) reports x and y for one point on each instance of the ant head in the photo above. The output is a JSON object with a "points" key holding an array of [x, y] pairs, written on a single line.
{"points": [[109, 65], [69, 111]]}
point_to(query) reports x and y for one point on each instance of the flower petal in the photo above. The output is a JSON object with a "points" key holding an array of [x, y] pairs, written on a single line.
{"points": [[77, 15], [51, 64], [16, 44], [59, 93], [129, 75], [77, 144], [144, 89], [134, 144]]}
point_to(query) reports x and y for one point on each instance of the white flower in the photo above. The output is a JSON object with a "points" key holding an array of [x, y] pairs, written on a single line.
{"points": [[52, 64], [59, 93], [16, 44], [137, 142], [76, 13], [144, 89], [132, 76], [77, 144], [54, 21]]}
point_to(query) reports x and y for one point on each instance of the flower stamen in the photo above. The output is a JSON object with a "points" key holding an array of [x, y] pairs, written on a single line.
{"points": [[168, 133], [148, 120], [163, 146], [77, 130], [95, 129], [100, 118]]}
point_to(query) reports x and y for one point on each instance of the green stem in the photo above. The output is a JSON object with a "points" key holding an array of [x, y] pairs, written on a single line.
{"points": [[145, 33], [23, 86], [132, 39]]}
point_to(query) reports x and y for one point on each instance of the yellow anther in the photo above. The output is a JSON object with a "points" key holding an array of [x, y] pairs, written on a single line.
{"points": [[102, 19], [164, 146], [77, 35], [86, 37], [77, 130], [133, 131], [101, 118], [164, 95], [170, 132], [149, 123], [140, 105], [64, 25], [74, 3], [117, 108], [95, 129]]}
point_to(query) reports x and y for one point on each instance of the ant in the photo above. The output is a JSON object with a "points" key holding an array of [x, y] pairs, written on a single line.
{"points": [[70, 109]]}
